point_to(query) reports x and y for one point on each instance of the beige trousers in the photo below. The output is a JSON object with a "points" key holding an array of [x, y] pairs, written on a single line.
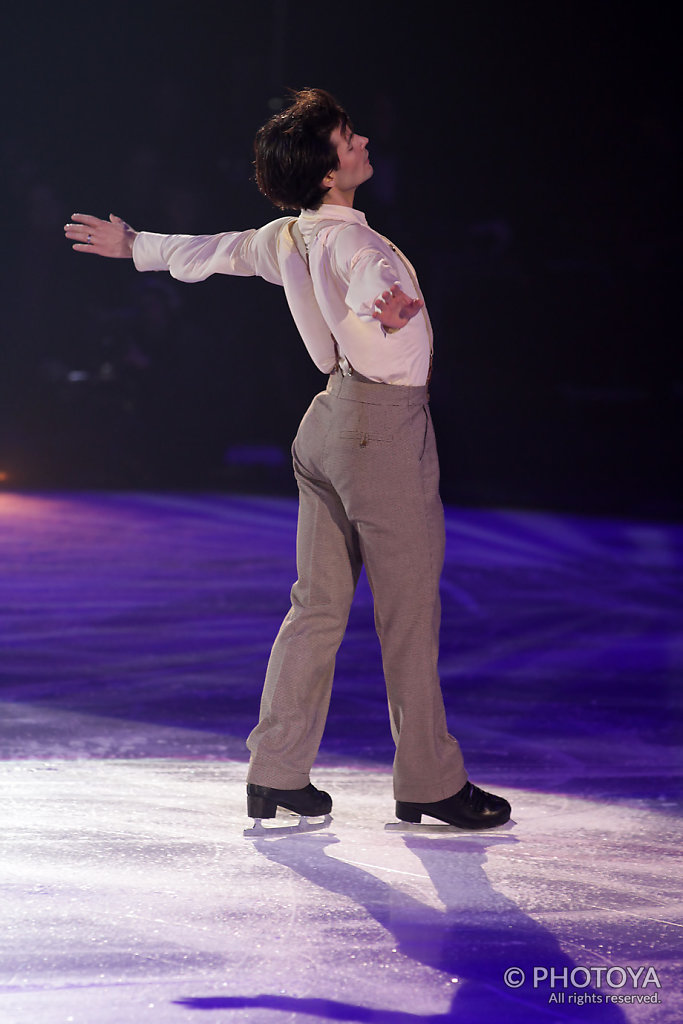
{"points": [[368, 475]]}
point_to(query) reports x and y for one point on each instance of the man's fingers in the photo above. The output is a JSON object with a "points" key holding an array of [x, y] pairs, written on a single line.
{"points": [[81, 247], [86, 218], [78, 233]]}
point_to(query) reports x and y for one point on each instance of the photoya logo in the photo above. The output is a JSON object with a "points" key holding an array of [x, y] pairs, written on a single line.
{"points": [[580, 978]]}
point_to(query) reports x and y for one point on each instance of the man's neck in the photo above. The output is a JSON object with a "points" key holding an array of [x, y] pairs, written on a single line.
{"points": [[337, 198]]}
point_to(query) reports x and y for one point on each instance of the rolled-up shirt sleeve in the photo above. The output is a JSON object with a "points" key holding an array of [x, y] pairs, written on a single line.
{"points": [[195, 257]]}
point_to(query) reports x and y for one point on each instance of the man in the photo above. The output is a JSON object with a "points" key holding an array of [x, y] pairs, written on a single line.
{"points": [[364, 459]]}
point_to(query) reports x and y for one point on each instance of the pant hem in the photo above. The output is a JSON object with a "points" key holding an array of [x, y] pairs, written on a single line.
{"points": [[428, 792], [276, 778]]}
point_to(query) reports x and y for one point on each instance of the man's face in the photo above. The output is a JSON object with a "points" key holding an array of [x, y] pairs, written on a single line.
{"points": [[354, 162]]}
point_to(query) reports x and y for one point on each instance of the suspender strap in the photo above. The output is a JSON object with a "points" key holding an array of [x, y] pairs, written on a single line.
{"points": [[342, 362], [418, 292]]}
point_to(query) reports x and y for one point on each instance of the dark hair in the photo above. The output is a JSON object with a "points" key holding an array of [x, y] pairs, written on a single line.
{"points": [[294, 153]]}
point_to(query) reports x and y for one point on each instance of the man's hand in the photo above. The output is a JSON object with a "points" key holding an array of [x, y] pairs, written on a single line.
{"points": [[113, 237], [394, 309]]}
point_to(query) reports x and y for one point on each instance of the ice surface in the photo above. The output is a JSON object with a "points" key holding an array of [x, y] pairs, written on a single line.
{"points": [[134, 887]]}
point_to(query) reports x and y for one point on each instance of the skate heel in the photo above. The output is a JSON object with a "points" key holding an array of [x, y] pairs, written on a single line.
{"points": [[408, 812], [260, 806]]}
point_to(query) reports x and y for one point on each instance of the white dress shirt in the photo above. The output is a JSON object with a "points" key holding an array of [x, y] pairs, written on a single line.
{"points": [[349, 266]]}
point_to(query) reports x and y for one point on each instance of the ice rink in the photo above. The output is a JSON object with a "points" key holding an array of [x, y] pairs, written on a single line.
{"points": [[136, 628]]}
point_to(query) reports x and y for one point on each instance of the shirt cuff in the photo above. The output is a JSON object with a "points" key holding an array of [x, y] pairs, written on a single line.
{"points": [[147, 251]]}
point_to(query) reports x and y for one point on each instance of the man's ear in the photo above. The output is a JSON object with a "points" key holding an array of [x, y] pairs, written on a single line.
{"points": [[328, 180]]}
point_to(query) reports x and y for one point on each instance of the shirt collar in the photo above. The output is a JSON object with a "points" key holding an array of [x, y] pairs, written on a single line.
{"points": [[329, 211]]}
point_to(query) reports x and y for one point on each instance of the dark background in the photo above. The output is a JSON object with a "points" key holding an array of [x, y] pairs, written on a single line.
{"points": [[527, 158]]}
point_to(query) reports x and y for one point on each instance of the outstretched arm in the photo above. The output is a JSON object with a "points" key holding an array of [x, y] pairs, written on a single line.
{"points": [[394, 308], [113, 238], [187, 257]]}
